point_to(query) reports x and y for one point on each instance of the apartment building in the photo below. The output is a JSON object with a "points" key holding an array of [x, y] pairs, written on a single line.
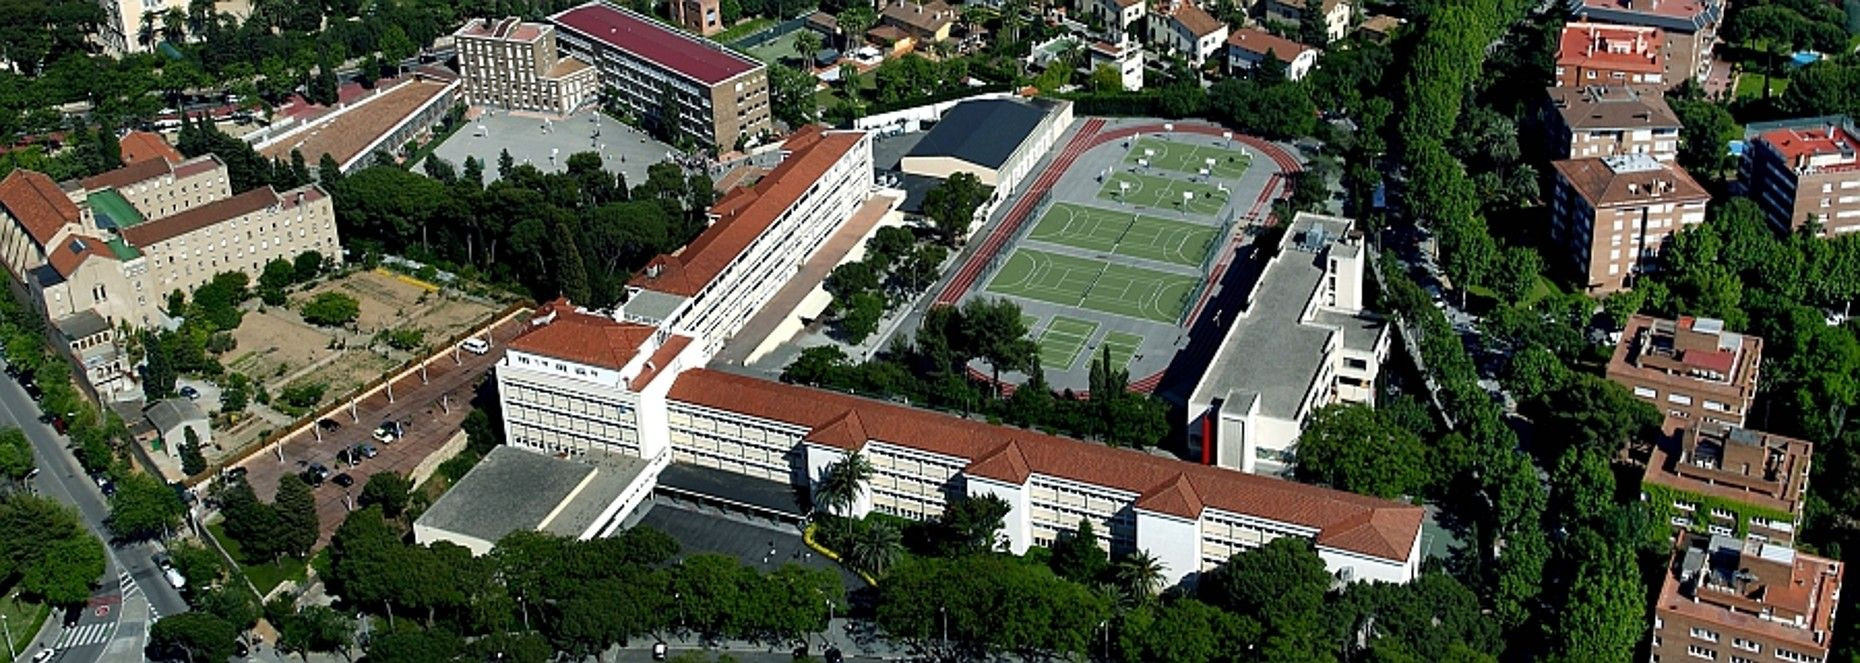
{"points": [[1689, 30], [1301, 341], [1803, 170], [1248, 48], [1731, 481], [758, 238], [1612, 214], [1118, 16], [1602, 121], [155, 188], [704, 17], [1337, 14], [515, 65], [1692, 369], [1179, 27], [1125, 57], [714, 96], [120, 32], [1744, 601], [1602, 54], [926, 22]]}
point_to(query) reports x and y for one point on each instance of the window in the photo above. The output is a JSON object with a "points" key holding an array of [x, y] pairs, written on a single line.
{"points": [[1704, 634], [1679, 399], [1645, 392], [1747, 645], [1706, 653]]}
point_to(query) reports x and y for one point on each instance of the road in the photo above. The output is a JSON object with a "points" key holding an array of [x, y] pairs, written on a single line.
{"points": [[131, 583]]}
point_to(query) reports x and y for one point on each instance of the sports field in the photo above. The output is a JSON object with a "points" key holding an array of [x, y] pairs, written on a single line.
{"points": [[1189, 158], [1153, 191], [1123, 233], [1063, 340], [1120, 346], [1094, 284]]}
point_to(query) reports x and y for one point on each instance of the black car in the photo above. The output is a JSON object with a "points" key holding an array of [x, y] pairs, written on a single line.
{"points": [[344, 480], [234, 474], [240, 650], [190, 393], [328, 424], [72, 614], [315, 474], [33, 391]]}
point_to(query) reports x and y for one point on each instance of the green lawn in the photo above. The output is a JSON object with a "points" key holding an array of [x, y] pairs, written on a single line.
{"points": [[1188, 158], [265, 576], [1093, 284], [23, 618], [1163, 192], [1750, 86], [1122, 233]]}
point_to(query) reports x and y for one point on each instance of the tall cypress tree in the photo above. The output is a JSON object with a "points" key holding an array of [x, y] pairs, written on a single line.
{"points": [[298, 525], [571, 274]]}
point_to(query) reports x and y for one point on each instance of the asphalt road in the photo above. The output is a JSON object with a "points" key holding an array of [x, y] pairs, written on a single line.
{"points": [[61, 478]]}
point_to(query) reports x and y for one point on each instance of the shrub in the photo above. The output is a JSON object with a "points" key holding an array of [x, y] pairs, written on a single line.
{"points": [[331, 309], [302, 394]]}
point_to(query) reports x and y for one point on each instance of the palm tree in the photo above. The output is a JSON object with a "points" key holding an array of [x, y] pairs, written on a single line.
{"points": [[807, 44], [174, 25], [876, 548], [841, 486], [1139, 576], [146, 35]]}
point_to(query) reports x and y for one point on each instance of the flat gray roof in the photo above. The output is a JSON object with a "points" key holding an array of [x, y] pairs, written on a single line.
{"points": [[1269, 350], [759, 493], [511, 489], [612, 474], [1359, 331], [652, 305], [984, 132], [83, 324]]}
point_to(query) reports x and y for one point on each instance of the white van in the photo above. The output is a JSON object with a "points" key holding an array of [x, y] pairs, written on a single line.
{"points": [[175, 578], [476, 345]]}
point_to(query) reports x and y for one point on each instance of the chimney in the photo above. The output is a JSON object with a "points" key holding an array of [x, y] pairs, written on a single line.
{"points": [[1633, 188]]}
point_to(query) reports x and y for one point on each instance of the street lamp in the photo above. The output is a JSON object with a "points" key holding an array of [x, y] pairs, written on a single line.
{"points": [[944, 612], [8, 627]]}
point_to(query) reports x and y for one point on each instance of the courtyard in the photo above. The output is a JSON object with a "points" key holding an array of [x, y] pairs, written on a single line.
{"points": [[546, 143]]}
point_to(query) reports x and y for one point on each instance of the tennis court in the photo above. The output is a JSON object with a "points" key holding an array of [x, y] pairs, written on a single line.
{"points": [[1153, 191], [1123, 233], [1063, 340], [1189, 158], [1094, 284], [1120, 346]]}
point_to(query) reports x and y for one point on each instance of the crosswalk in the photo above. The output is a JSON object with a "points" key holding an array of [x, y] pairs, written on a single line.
{"points": [[84, 635], [128, 584]]}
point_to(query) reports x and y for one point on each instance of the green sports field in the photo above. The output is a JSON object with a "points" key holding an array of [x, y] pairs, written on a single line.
{"points": [[1123, 233], [1094, 284], [1121, 347], [1163, 192], [1063, 341], [1189, 158]]}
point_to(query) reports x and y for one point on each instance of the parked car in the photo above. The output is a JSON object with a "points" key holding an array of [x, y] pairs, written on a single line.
{"points": [[104, 484], [44, 655], [73, 613], [343, 480], [367, 450], [33, 391], [328, 424], [384, 436], [234, 474], [475, 345], [190, 393], [175, 579], [315, 474], [240, 650], [163, 562]]}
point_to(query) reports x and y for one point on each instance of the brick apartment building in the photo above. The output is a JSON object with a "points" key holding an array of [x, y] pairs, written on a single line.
{"points": [[1692, 369], [1802, 169], [1721, 479], [1601, 54], [1612, 214], [514, 65], [704, 17], [1602, 121], [1744, 601], [1689, 29], [715, 96]]}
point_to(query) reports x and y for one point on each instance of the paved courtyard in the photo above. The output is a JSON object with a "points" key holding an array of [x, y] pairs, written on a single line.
{"points": [[709, 529], [547, 144]]}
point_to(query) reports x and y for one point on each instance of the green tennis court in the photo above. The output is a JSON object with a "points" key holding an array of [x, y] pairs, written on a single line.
{"points": [[1063, 341], [1164, 192], [1123, 233], [1120, 346], [1189, 158], [1094, 284]]}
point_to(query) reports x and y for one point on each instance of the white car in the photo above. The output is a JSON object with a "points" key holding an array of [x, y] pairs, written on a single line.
{"points": [[475, 345], [175, 578]]}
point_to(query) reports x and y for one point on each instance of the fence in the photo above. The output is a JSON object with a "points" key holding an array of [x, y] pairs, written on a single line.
{"points": [[772, 33]]}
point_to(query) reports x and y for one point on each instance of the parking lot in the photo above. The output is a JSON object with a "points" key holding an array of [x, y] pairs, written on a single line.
{"points": [[421, 404]]}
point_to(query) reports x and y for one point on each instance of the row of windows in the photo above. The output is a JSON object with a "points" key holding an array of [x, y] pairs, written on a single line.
{"points": [[565, 401]]}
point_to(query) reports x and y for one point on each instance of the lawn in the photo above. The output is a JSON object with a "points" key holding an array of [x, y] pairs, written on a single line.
{"points": [[1750, 86], [743, 29], [23, 619], [265, 576]]}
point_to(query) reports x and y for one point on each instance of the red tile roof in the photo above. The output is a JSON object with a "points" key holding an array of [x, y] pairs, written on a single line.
{"points": [[704, 61], [1255, 40], [1366, 525], [1198, 21], [140, 171], [583, 338], [143, 145], [655, 364], [1611, 48], [744, 214], [74, 250], [167, 228], [38, 203], [1808, 142]]}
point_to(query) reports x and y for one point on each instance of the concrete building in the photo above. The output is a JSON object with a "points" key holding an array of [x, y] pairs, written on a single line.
{"points": [[1603, 121], [121, 31], [1337, 14], [1601, 54], [1691, 369], [1302, 341], [1806, 169], [383, 122], [996, 140], [715, 96], [576, 498], [515, 65], [924, 22], [1725, 599], [1119, 17], [1689, 30], [1251, 47], [1124, 56], [1728, 480], [704, 17], [1612, 214], [758, 237], [1180, 28]]}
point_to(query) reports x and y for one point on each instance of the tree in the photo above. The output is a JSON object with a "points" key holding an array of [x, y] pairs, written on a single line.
{"points": [[861, 315], [316, 628], [1139, 576], [854, 20], [807, 44], [202, 637], [328, 172], [331, 309], [1185, 630], [436, 645], [306, 266], [15, 455], [876, 547], [1282, 582], [298, 524], [390, 491], [1078, 557], [970, 525], [1350, 447], [951, 205], [1106, 79], [252, 523], [998, 334], [144, 507], [1515, 274], [192, 461], [842, 485], [48, 549]]}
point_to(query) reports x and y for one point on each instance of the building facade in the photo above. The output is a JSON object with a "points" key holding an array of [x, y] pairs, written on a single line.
{"points": [[714, 96], [704, 17], [1181, 28], [1119, 17], [1806, 170], [1612, 214], [1251, 47], [1123, 56], [1337, 14], [1730, 481], [515, 65], [1689, 30], [1731, 600], [1692, 369], [1303, 340], [1593, 121], [925, 22], [122, 28], [1601, 54]]}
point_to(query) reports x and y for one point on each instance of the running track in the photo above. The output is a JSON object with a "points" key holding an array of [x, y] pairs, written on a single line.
{"points": [[1089, 137]]}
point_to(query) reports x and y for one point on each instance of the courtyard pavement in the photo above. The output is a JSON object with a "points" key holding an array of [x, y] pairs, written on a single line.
{"points": [[547, 144]]}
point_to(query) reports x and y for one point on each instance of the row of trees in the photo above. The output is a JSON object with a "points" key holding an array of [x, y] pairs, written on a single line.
{"points": [[896, 268]]}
